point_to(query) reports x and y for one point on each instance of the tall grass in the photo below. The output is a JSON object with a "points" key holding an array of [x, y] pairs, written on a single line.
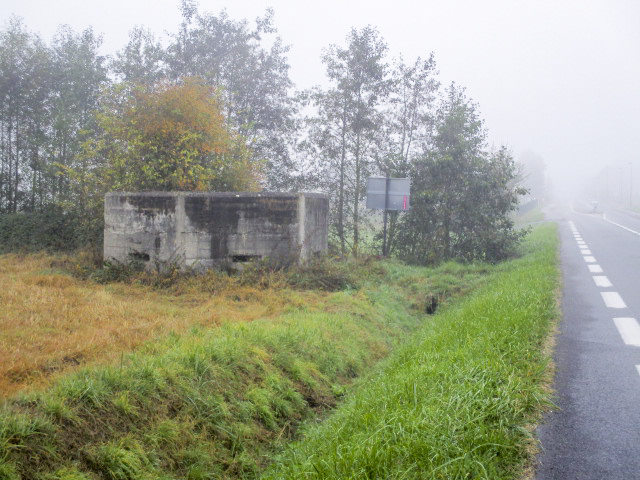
{"points": [[53, 322], [218, 402], [213, 401], [455, 401]]}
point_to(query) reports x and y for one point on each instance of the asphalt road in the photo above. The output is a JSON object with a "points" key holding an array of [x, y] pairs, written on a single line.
{"points": [[594, 433]]}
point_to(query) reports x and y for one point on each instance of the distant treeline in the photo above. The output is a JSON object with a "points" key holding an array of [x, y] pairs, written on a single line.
{"points": [[211, 106]]}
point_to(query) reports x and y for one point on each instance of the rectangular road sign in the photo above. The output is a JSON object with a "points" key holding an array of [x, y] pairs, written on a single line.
{"points": [[388, 193]]}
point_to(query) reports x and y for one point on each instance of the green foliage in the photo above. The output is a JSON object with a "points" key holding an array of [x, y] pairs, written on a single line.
{"points": [[342, 135], [249, 64], [25, 64], [324, 273], [462, 194], [172, 137], [376, 120], [48, 94], [408, 126], [53, 151], [212, 111], [50, 230], [68, 473], [8, 471], [456, 400], [114, 271]]}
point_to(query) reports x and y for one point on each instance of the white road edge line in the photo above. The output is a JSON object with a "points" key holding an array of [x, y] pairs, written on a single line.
{"points": [[638, 368], [621, 226], [629, 330], [602, 281], [585, 252], [595, 268], [613, 300], [589, 259]]}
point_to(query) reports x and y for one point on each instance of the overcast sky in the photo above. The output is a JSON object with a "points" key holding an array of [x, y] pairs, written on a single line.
{"points": [[558, 77]]}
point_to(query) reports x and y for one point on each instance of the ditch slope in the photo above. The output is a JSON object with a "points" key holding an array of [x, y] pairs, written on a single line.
{"points": [[452, 398]]}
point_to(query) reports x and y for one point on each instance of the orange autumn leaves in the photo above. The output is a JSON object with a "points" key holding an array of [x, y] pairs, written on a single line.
{"points": [[174, 137]]}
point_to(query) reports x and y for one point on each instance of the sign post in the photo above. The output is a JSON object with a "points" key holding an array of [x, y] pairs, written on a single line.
{"points": [[388, 194]]}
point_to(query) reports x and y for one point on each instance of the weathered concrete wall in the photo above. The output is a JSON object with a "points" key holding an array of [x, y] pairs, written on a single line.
{"points": [[210, 229], [315, 232]]}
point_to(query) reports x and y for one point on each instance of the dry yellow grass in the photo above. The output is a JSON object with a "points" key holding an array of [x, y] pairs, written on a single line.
{"points": [[51, 322]]}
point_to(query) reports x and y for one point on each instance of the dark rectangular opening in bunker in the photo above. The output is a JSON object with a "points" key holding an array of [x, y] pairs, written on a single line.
{"points": [[139, 256], [245, 258]]}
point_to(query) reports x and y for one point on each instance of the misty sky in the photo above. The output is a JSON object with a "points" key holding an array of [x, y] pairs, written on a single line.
{"points": [[560, 78]]}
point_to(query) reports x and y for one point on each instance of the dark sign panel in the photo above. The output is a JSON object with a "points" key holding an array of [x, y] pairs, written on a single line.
{"points": [[388, 193]]}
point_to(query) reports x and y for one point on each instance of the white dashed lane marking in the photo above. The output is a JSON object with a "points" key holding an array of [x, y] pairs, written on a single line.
{"points": [[602, 281], [613, 300], [628, 327], [629, 330]]}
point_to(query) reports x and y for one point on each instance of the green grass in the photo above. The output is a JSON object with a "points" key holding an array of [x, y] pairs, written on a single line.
{"points": [[533, 216], [217, 403], [381, 389], [457, 400]]}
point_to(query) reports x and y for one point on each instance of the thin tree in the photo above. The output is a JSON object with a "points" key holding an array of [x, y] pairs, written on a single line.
{"points": [[347, 124], [408, 126]]}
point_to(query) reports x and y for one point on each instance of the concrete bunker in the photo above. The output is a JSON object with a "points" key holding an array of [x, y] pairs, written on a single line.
{"points": [[209, 230]]}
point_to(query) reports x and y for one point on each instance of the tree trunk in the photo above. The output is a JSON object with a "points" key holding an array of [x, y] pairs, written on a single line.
{"points": [[341, 192], [356, 202]]}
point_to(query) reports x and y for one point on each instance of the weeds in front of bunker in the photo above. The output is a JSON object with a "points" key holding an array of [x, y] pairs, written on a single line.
{"points": [[321, 273]]}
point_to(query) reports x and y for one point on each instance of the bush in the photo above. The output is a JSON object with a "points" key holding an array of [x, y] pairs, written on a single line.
{"points": [[51, 230]]}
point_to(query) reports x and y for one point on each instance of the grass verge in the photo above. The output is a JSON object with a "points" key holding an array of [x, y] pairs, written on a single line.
{"points": [[457, 400], [533, 216], [211, 401]]}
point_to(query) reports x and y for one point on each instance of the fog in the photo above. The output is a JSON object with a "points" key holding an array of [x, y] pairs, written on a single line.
{"points": [[559, 79]]}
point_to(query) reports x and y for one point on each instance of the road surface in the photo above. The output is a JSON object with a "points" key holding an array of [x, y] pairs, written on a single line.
{"points": [[594, 433]]}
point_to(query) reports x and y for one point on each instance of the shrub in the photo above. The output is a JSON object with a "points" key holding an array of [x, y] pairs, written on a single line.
{"points": [[51, 230]]}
